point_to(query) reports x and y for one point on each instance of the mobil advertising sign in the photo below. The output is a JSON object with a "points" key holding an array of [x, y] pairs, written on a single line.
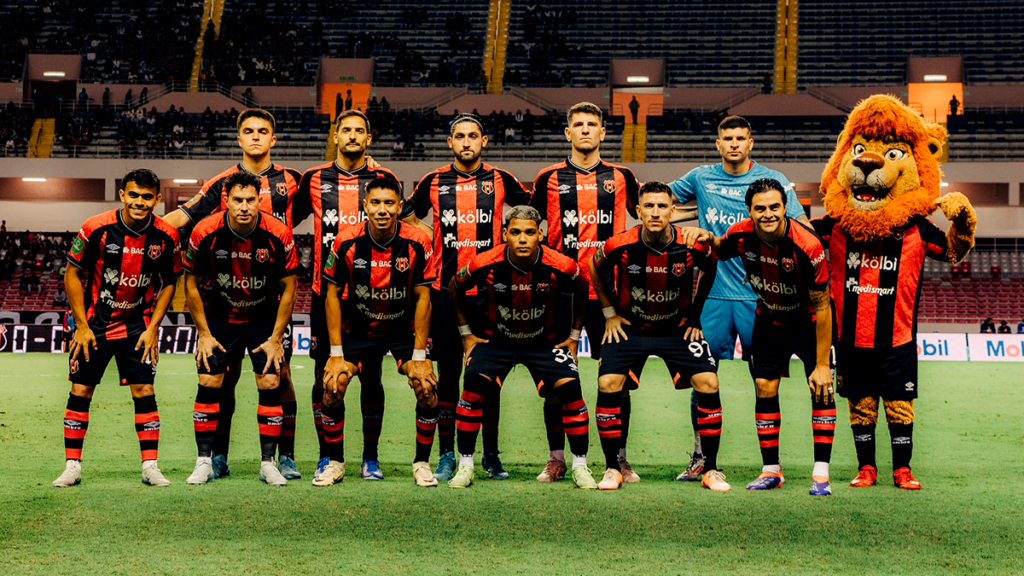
{"points": [[996, 347], [938, 346]]}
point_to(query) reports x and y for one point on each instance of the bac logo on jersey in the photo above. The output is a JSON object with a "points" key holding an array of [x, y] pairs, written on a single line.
{"points": [[401, 264], [262, 254], [609, 186], [678, 268], [155, 251], [282, 188], [787, 264], [487, 187]]}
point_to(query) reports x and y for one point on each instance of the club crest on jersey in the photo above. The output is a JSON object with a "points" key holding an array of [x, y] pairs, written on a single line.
{"points": [[543, 288], [787, 264], [155, 251], [74, 366], [401, 264], [609, 186], [487, 187], [678, 268], [282, 188], [262, 255]]}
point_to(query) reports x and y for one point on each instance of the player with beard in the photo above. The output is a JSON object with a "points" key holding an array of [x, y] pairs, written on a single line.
{"points": [[467, 198]]}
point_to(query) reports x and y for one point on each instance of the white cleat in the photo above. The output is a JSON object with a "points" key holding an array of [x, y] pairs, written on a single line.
{"points": [[72, 475], [333, 473], [151, 475], [422, 475], [202, 474], [271, 475]]}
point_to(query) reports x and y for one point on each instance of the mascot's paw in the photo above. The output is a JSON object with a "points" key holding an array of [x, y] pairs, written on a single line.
{"points": [[958, 210]]}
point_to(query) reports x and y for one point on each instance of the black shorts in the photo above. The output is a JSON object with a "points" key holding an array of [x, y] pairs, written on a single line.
{"points": [[683, 358], [319, 338], [887, 372], [130, 367], [370, 352], [546, 364], [773, 346], [237, 339], [445, 342]]}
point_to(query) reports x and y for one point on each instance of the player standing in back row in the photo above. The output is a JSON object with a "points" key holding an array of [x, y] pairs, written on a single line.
{"points": [[585, 201]]}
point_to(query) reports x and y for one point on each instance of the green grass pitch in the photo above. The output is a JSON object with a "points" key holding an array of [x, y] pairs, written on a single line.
{"points": [[969, 445]]}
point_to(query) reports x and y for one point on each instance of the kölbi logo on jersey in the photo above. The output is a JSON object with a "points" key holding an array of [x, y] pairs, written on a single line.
{"points": [[132, 281], [391, 293], [528, 314], [713, 216], [573, 218], [856, 260], [244, 284], [772, 287], [660, 297]]}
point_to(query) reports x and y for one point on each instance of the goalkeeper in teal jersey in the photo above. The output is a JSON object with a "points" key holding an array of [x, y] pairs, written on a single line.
{"points": [[719, 190]]}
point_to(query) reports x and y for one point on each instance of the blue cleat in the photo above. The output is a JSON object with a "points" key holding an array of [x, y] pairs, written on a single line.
{"points": [[371, 470], [220, 466], [767, 481], [820, 486], [445, 467], [492, 465], [286, 464], [321, 465]]}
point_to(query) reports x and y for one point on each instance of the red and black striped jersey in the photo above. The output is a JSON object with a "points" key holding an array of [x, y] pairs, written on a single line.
{"points": [[584, 207], [467, 212], [877, 293], [124, 267], [654, 286], [522, 305], [240, 272], [279, 185], [781, 274], [379, 278], [335, 199]]}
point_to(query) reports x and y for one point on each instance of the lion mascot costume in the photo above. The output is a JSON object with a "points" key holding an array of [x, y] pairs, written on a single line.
{"points": [[879, 187]]}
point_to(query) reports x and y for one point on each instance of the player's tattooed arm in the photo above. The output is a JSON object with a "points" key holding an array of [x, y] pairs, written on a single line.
{"points": [[469, 341], [337, 372], [206, 342], [613, 321], [820, 380], [84, 339]]}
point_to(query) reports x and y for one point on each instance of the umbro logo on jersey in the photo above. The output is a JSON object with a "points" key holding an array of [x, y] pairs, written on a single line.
{"points": [[500, 287], [634, 268], [113, 248], [221, 254], [751, 256], [564, 189], [359, 263], [444, 189], [325, 188]]}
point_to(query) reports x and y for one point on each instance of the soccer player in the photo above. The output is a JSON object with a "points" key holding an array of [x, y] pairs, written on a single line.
{"points": [[653, 313], [334, 194], [523, 282], [386, 267], [240, 283], [876, 295], [278, 187], [785, 265], [467, 198], [719, 192], [124, 254], [585, 201]]}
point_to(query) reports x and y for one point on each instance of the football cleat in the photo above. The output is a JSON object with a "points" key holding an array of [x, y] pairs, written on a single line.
{"points": [[332, 473], [422, 475], [286, 464], [767, 481], [321, 464], [714, 480], [370, 470], [220, 466], [554, 471], [445, 467], [693, 470], [492, 465], [463, 478], [202, 474], [151, 476], [71, 476], [271, 475], [583, 478], [612, 480], [904, 479], [867, 476], [820, 486], [628, 475]]}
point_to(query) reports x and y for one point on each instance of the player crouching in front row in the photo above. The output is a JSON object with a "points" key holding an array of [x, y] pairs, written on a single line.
{"points": [[385, 267], [523, 283], [240, 283], [653, 314]]}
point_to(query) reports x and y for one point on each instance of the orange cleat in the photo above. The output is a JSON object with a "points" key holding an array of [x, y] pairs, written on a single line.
{"points": [[867, 476], [904, 479]]}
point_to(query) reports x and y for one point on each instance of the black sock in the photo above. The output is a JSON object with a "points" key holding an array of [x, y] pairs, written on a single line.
{"points": [[864, 443], [553, 425], [902, 444]]}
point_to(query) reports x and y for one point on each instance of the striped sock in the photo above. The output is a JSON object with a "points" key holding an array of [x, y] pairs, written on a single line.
{"points": [[147, 426], [334, 431], [76, 423], [575, 417], [286, 445], [426, 425], [823, 427], [204, 419], [609, 426], [270, 416], [768, 418], [709, 427]]}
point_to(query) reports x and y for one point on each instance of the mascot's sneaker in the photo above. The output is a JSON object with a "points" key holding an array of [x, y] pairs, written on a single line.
{"points": [[715, 481], [904, 479], [611, 481], [72, 475], [422, 475], [693, 470], [628, 475], [820, 486], [767, 481], [867, 476], [554, 471]]}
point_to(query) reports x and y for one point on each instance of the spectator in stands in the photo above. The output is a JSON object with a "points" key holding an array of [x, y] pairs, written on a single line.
{"points": [[1020, 327], [129, 98], [83, 98], [144, 96], [30, 282], [348, 99], [510, 135], [60, 299], [1004, 327], [954, 105], [988, 326], [247, 97], [105, 99], [634, 109], [3, 227]]}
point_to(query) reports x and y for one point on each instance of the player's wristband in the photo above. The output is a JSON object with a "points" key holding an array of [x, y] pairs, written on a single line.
{"points": [[337, 352], [419, 355], [464, 330], [574, 334], [609, 312]]}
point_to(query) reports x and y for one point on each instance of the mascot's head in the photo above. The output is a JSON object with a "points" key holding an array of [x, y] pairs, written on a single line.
{"points": [[884, 170]]}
